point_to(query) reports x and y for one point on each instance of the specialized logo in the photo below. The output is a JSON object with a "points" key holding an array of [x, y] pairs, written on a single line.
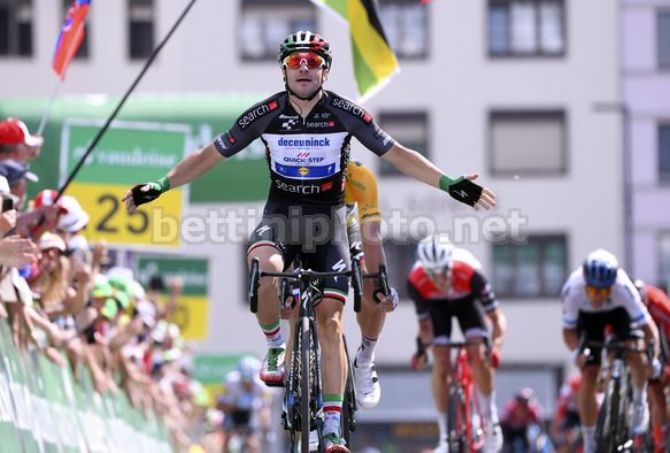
{"points": [[304, 143], [340, 266], [352, 108], [252, 115], [320, 124], [462, 193], [263, 229]]}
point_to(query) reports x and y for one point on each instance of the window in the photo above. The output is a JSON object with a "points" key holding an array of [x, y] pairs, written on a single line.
{"points": [[664, 39], [537, 268], [406, 25], [83, 51], [266, 23], [400, 256], [140, 28], [530, 142], [408, 128], [526, 27], [664, 153], [664, 259], [16, 28]]}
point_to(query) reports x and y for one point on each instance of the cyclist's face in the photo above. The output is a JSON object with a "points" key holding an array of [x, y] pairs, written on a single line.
{"points": [[303, 75], [597, 296], [441, 278]]}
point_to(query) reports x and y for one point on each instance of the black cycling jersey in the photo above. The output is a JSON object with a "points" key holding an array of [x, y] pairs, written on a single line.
{"points": [[307, 157]]}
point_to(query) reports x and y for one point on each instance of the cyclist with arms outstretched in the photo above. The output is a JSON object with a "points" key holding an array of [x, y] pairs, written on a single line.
{"points": [[307, 132], [596, 295], [447, 282]]}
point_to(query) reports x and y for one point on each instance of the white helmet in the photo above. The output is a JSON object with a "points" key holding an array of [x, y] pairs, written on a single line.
{"points": [[248, 367], [435, 252]]}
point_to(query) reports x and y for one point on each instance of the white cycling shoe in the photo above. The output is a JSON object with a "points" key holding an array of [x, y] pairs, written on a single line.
{"points": [[366, 382], [442, 447]]}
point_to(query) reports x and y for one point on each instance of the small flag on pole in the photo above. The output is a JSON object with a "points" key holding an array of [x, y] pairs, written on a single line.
{"points": [[70, 37], [374, 61]]}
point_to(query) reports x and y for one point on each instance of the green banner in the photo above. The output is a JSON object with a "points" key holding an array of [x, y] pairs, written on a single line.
{"points": [[194, 271], [211, 369], [128, 152]]}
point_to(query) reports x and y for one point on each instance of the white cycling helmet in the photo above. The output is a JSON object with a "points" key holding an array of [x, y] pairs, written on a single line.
{"points": [[248, 367], [435, 252]]}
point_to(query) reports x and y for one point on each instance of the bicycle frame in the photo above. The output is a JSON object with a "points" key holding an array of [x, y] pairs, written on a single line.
{"points": [[462, 435], [306, 342], [612, 430]]}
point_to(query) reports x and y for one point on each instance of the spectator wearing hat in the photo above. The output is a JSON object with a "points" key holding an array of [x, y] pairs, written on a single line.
{"points": [[16, 142]]}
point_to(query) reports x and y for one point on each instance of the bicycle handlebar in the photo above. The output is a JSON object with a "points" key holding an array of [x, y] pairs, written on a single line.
{"points": [[306, 275]]}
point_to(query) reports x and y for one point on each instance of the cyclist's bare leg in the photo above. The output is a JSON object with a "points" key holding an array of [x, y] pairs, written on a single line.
{"points": [[637, 363], [482, 373], [588, 406], [441, 378], [270, 261], [333, 360]]}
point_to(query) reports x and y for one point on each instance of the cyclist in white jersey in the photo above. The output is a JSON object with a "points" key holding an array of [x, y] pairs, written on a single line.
{"points": [[307, 133], [246, 403], [596, 295]]}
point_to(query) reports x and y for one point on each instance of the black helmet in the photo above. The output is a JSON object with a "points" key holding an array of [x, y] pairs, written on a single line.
{"points": [[305, 41]]}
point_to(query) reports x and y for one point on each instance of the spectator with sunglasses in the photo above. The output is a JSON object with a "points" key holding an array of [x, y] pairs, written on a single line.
{"points": [[307, 132], [447, 282], [596, 295]]}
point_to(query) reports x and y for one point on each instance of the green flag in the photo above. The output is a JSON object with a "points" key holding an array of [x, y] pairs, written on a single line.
{"points": [[374, 61]]}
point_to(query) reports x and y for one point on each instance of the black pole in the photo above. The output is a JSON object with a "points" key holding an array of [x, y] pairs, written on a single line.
{"points": [[104, 128]]}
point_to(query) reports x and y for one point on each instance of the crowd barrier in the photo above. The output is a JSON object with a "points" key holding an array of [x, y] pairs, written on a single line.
{"points": [[44, 409]]}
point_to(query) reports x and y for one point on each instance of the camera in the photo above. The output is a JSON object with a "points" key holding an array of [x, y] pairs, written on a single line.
{"points": [[7, 202]]}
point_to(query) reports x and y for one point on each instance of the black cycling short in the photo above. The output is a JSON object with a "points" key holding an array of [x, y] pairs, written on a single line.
{"points": [[470, 317], [591, 325], [316, 234]]}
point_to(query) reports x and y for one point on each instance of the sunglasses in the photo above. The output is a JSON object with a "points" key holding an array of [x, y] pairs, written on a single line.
{"points": [[593, 292], [312, 60]]}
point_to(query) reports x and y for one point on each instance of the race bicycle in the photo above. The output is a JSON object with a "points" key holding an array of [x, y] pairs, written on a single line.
{"points": [[465, 432], [304, 396], [613, 425]]}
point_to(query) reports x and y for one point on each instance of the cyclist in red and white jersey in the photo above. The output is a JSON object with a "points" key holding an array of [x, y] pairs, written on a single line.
{"points": [[658, 304], [447, 282], [597, 295]]}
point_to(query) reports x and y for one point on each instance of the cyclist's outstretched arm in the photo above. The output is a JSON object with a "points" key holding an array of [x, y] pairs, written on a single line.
{"points": [[190, 168], [194, 165], [418, 167]]}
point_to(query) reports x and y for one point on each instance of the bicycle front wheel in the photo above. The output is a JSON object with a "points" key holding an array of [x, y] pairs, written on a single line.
{"points": [[305, 396], [456, 432]]}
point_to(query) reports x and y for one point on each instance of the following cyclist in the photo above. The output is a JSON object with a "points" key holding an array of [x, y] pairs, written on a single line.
{"points": [[245, 403], [658, 304], [519, 416], [447, 282], [564, 427], [307, 132], [597, 294]]}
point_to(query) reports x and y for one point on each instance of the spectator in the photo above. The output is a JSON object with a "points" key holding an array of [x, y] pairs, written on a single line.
{"points": [[17, 173], [16, 142]]}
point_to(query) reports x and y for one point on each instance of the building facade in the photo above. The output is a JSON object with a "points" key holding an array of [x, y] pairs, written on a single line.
{"points": [[508, 89]]}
